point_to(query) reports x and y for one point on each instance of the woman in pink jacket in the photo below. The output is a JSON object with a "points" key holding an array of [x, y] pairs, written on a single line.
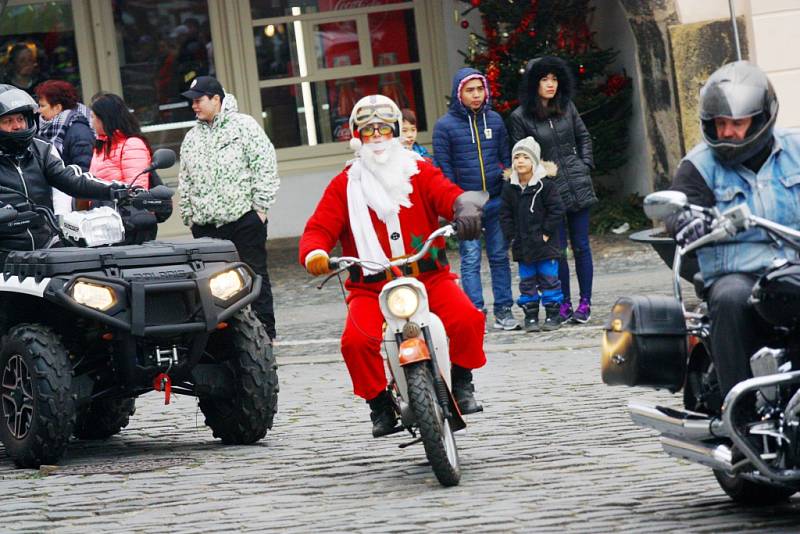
{"points": [[121, 151]]}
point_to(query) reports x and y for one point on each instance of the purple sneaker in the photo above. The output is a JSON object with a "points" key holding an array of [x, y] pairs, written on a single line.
{"points": [[565, 311], [583, 312]]}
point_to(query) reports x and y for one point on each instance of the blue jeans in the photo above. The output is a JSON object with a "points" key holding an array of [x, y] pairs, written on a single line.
{"points": [[497, 251], [539, 278], [576, 226]]}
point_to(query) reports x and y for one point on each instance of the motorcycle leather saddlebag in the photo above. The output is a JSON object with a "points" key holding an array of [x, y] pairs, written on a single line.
{"points": [[776, 295], [644, 343]]}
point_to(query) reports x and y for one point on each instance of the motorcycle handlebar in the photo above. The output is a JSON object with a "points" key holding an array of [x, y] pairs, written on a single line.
{"points": [[343, 262]]}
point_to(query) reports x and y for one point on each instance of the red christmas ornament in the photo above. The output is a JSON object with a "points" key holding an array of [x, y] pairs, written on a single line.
{"points": [[581, 70], [465, 24], [475, 3], [532, 34]]}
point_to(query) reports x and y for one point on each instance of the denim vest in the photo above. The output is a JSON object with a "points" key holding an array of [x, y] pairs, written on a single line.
{"points": [[772, 193]]}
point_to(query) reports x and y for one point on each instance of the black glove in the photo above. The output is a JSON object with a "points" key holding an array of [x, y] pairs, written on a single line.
{"points": [[467, 211], [690, 228], [118, 191]]}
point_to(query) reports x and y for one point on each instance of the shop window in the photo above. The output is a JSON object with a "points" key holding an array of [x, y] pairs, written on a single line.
{"points": [[164, 46], [313, 66], [288, 124], [37, 43]]}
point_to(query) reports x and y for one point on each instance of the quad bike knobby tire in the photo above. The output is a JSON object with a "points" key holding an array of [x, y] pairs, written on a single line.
{"points": [[103, 418], [437, 436], [37, 412], [246, 350], [751, 493]]}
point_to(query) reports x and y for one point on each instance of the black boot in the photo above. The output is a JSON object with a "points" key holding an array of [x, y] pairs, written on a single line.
{"points": [[531, 310], [553, 317], [382, 414], [464, 390]]}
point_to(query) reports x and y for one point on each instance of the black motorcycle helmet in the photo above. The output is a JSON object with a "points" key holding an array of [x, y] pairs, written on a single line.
{"points": [[13, 100], [738, 90]]}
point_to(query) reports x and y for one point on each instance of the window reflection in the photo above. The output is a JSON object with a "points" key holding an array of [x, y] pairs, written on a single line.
{"points": [[336, 44], [276, 51], [260, 9], [37, 43], [164, 46]]}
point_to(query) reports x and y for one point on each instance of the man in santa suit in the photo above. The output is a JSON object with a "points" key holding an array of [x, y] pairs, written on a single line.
{"points": [[382, 206]]}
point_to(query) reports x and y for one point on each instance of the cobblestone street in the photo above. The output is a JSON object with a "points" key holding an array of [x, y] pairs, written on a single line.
{"points": [[554, 449]]}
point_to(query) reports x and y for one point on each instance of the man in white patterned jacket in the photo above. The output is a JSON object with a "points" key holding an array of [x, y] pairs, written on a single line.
{"points": [[228, 180]]}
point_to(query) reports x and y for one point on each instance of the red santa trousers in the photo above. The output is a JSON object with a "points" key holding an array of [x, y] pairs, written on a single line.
{"points": [[361, 340]]}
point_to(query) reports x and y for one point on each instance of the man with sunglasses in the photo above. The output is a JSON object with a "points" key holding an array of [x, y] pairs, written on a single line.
{"points": [[382, 206]]}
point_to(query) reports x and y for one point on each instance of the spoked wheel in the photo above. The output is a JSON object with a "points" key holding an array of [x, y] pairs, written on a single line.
{"points": [[752, 493], [437, 436], [37, 412]]}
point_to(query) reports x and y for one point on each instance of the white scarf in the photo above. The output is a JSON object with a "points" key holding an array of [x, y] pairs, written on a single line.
{"points": [[365, 190]]}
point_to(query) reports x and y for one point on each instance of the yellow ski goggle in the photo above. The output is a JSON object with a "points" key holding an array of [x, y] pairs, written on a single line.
{"points": [[375, 129]]}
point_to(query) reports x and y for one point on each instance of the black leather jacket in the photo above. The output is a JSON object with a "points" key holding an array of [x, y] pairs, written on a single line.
{"points": [[566, 142], [34, 174]]}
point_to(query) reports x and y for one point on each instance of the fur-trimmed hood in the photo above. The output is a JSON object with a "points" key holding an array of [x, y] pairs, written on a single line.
{"points": [[539, 67], [545, 168]]}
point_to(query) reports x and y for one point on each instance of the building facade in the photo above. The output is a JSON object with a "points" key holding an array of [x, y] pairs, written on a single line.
{"points": [[299, 65]]}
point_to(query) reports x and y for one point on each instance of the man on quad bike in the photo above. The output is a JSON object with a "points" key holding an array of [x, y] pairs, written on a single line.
{"points": [[381, 207], [742, 159], [32, 167]]}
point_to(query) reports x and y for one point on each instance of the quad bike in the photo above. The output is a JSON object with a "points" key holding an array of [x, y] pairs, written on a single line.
{"points": [[418, 358], [751, 437], [86, 328]]}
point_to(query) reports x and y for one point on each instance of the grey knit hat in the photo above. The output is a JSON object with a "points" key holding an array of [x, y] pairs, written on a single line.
{"points": [[529, 147]]}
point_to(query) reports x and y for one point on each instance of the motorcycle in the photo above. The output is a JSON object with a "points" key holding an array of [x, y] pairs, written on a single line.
{"points": [[654, 341], [418, 359]]}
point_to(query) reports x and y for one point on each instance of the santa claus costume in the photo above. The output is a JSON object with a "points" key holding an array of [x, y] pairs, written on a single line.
{"points": [[382, 206]]}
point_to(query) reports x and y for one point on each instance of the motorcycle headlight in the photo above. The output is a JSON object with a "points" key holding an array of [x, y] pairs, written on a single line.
{"points": [[402, 302], [94, 296], [226, 284]]}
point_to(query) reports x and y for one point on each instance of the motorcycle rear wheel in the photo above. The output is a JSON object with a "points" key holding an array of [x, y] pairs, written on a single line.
{"points": [[751, 493], [437, 436]]}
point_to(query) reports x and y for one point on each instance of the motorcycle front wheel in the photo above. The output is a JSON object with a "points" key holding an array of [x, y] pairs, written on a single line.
{"points": [[437, 435], [751, 493]]}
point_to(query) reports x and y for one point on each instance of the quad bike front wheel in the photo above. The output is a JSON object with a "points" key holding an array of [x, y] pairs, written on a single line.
{"points": [[751, 493], [437, 435], [37, 412], [103, 418], [245, 349]]}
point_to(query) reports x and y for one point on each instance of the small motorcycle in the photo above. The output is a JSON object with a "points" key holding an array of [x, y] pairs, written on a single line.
{"points": [[653, 341], [417, 355]]}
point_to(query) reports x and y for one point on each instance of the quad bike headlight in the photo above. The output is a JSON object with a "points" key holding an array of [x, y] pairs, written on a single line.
{"points": [[226, 284], [95, 296], [402, 302]]}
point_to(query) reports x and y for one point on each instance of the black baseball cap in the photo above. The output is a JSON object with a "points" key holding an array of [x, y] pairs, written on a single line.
{"points": [[204, 85]]}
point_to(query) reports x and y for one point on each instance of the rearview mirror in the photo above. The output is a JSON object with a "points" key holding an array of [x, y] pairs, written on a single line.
{"points": [[163, 158], [662, 204]]}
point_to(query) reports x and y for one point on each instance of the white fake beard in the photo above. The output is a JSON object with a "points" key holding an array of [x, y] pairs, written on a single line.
{"points": [[392, 166]]}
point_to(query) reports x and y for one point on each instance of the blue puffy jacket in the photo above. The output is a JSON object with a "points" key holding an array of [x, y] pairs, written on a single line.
{"points": [[461, 147]]}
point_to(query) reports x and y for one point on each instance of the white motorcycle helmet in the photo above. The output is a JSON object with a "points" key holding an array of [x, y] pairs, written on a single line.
{"points": [[370, 110]]}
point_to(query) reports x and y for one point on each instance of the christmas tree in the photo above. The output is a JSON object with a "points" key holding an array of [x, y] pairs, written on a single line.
{"points": [[515, 31]]}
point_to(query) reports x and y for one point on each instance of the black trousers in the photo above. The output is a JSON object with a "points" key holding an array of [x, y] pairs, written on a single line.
{"points": [[737, 330], [249, 236]]}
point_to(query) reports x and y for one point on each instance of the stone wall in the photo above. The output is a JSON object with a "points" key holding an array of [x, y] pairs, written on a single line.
{"points": [[699, 49]]}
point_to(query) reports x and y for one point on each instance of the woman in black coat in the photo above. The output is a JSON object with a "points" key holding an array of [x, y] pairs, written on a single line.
{"points": [[547, 113]]}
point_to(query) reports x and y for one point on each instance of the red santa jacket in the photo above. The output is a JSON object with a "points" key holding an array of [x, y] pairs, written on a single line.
{"points": [[432, 197]]}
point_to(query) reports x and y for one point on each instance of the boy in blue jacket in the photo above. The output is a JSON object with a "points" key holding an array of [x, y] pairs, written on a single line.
{"points": [[470, 145]]}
